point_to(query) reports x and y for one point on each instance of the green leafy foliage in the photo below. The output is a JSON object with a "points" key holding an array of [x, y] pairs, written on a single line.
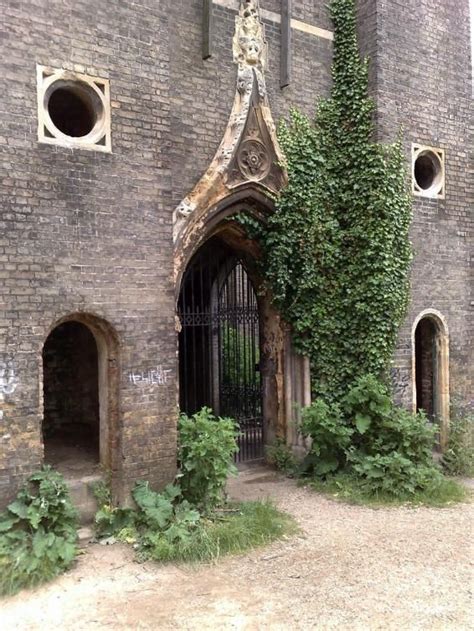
{"points": [[458, 458], [183, 522], [280, 456], [385, 449], [336, 251], [206, 448], [241, 357], [110, 520], [330, 436], [347, 487], [38, 533]]}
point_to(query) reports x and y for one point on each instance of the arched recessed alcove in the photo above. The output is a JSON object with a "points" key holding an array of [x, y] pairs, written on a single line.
{"points": [[430, 357], [80, 385], [71, 420]]}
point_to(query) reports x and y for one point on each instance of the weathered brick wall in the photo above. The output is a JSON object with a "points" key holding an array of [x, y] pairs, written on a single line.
{"points": [[83, 231], [421, 80], [202, 91], [90, 232]]}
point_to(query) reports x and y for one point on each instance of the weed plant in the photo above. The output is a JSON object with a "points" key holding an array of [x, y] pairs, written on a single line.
{"points": [[190, 520], [38, 533]]}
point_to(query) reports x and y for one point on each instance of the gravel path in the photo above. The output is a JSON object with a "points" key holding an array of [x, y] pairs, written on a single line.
{"points": [[350, 568]]}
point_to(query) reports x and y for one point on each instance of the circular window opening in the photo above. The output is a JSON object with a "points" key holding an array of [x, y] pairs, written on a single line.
{"points": [[427, 170], [74, 110]]}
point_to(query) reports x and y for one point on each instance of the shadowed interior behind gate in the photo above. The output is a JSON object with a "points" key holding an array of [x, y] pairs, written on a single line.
{"points": [[219, 344]]}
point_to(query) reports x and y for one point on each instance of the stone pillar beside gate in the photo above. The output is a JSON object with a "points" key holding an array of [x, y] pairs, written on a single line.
{"points": [[297, 396]]}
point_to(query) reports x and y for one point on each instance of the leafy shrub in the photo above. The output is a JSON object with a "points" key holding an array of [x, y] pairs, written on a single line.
{"points": [[206, 448], [386, 449], [280, 455], [382, 428], [164, 527], [110, 520], [38, 533], [164, 515], [458, 458], [330, 436], [182, 523], [394, 474], [353, 489]]}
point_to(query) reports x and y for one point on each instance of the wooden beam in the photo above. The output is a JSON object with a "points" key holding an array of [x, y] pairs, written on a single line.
{"points": [[285, 28], [206, 29]]}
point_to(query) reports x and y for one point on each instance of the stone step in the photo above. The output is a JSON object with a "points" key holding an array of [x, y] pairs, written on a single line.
{"points": [[82, 496]]}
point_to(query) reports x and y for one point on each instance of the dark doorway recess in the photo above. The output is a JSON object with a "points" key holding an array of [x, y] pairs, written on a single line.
{"points": [[426, 368], [71, 425], [219, 343]]}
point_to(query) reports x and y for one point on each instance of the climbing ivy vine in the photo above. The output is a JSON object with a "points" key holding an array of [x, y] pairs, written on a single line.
{"points": [[336, 250]]}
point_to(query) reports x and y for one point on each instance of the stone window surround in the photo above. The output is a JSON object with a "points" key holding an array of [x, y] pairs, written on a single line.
{"points": [[438, 188], [99, 138]]}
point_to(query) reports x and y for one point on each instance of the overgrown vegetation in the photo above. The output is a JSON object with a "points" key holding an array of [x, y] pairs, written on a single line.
{"points": [[336, 252], [233, 530], [368, 449], [206, 446], [336, 256], [190, 520], [38, 533], [280, 456], [347, 488], [458, 458]]}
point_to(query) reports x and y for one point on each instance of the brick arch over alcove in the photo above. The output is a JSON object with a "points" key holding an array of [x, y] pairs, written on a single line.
{"points": [[440, 357], [108, 356]]}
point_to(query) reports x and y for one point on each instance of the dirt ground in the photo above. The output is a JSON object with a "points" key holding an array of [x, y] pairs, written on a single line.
{"points": [[350, 568]]}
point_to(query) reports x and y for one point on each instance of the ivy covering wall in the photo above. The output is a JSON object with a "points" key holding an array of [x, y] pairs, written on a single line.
{"points": [[336, 250]]}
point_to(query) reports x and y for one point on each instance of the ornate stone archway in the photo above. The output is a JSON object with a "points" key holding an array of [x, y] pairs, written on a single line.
{"points": [[246, 171]]}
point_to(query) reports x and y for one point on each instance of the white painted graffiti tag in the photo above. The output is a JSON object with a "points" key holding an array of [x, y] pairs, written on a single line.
{"points": [[8, 380], [156, 376]]}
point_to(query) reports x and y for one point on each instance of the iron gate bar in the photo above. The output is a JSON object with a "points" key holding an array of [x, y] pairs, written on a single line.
{"points": [[220, 344]]}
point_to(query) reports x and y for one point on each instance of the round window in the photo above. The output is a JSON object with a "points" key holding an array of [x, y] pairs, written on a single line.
{"points": [[74, 107], [428, 171]]}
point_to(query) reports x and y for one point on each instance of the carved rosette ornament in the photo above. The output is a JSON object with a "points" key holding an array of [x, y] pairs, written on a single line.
{"points": [[249, 151], [253, 160]]}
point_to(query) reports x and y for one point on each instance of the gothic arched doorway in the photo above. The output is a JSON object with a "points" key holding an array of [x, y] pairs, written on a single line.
{"points": [[219, 343]]}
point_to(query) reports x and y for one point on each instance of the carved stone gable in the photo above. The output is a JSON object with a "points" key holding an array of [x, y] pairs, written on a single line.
{"points": [[249, 151], [256, 159]]}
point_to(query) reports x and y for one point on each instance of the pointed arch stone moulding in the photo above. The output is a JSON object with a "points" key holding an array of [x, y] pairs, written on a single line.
{"points": [[249, 152]]}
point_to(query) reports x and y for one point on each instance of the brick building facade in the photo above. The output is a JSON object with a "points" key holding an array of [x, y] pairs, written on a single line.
{"points": [[91, 241]]}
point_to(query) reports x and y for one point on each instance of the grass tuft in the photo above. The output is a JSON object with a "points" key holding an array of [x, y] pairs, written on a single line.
{"points": [[346, 488], [233, 531]]}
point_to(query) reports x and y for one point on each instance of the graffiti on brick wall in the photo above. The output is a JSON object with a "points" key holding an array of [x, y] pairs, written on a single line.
{"points": [[8, 380], [156, 376], [8, 383]]}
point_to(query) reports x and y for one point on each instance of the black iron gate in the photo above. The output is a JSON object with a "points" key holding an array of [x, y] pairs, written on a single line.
{"points": [[219, 345]]}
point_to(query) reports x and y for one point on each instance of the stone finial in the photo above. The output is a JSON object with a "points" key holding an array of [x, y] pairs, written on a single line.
{"points": [[249, 45]]}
